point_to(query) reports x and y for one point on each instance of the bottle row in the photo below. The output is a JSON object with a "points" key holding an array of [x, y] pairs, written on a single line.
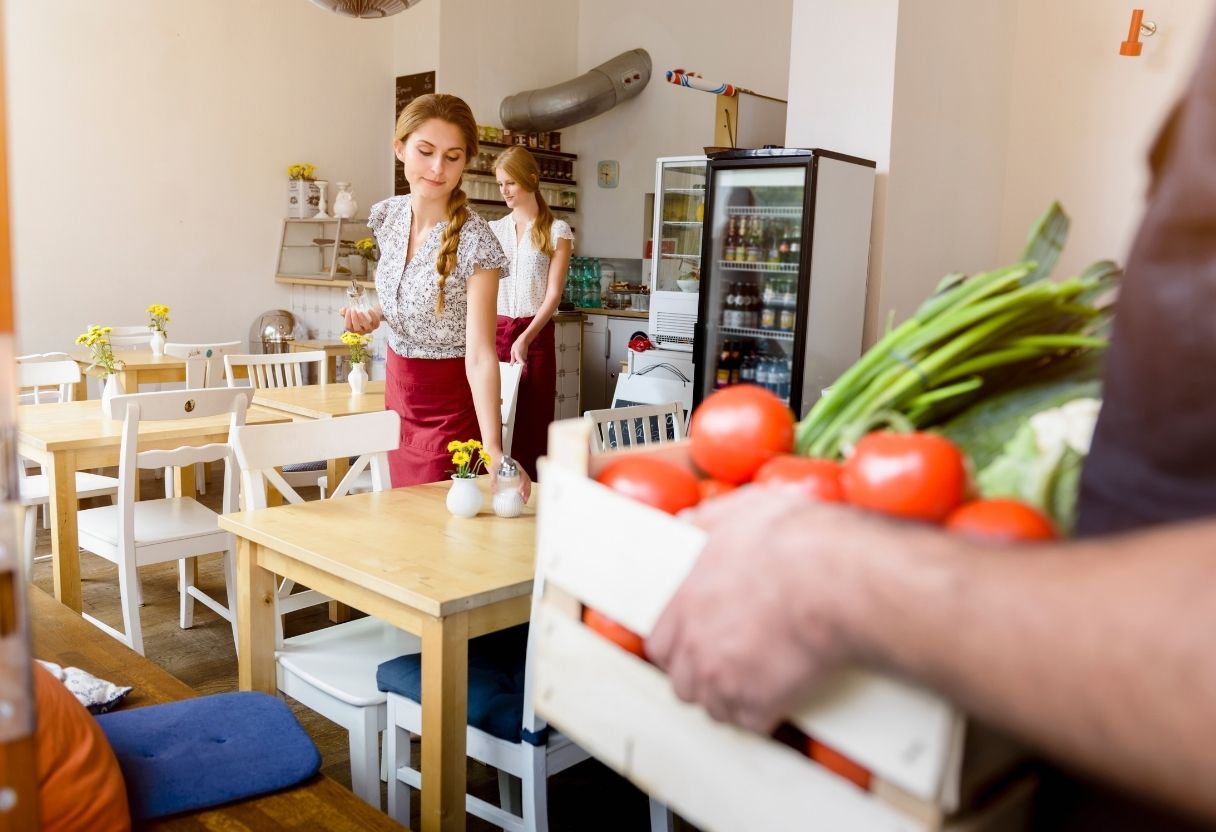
{"points": [[550, 168], [757, 239], [583, 282], [545, 140], [775, 307], [741, 363]]}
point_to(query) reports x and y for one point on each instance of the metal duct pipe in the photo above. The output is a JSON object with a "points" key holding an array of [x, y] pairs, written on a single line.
{"points": [[596, 91]]}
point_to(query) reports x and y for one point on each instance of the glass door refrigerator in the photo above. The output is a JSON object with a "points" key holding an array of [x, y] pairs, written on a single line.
{"points": [[784, 260], [675, 251]]}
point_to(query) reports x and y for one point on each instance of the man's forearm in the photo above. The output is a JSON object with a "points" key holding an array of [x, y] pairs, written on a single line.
{"points": [[1097, 652]]}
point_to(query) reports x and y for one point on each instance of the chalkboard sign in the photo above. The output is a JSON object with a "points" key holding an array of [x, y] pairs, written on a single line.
{"points": [[409, 87]]}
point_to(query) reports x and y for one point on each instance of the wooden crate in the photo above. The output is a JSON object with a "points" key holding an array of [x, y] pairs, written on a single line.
{"points": [[606, 551]]}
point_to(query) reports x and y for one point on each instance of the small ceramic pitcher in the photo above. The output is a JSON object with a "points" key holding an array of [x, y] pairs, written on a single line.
{"points": [[157, 342], [357, 377]]}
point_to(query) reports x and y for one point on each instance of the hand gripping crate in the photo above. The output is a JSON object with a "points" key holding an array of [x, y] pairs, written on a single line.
{"points": [[625, 559]]}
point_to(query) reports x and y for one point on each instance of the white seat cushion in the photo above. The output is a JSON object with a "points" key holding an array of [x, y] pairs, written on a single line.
{"points": [[156, 521], [34, 488], [341, 660]]}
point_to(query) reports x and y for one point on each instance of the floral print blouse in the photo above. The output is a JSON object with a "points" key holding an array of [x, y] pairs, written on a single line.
{"points": [[407, 292], [521, 294]]}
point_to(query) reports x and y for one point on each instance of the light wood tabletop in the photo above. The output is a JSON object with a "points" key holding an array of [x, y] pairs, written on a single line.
{"points": [[322, 401], [400, 556], [139, 366], [72, 436]]}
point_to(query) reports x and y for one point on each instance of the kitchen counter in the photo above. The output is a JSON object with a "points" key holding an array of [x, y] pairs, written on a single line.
{"points": [[615, 313]]}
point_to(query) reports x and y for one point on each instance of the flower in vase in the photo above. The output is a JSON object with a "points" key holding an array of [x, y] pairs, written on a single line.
{"points": [[97, 339], [368, 248], [159, 316], [469, 458], [303, 171], [358, 346]]}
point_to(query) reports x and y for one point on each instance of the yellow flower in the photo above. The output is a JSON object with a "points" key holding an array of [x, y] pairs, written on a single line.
{"points": [[474, 444], [485, 457], [453, 445], [460, 458]]}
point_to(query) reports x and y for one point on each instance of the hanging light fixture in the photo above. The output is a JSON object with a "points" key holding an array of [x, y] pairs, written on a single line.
{"points": [[366, 9]]}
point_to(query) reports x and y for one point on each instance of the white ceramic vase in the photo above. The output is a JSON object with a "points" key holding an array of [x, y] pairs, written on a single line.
{"points": [[357, 377], [111, 388], [157, 342], [344, 202], [464, 497]]}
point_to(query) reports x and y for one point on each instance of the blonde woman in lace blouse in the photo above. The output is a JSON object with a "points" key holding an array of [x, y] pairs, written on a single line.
{"points": [[437, 284], [538, 248]]}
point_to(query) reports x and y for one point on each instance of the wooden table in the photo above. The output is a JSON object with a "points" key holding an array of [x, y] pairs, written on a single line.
{"points": [[139, 367], [398, 555], [72, 436], [322, 401], [63, 637]]}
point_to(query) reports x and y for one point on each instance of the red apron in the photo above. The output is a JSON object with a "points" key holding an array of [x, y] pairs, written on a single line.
{"points": [[537, 390], [433, 398]]}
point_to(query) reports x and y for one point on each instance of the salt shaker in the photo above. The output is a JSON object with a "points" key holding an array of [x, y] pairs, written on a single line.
{"points": [[507, 500], [356, 298]]}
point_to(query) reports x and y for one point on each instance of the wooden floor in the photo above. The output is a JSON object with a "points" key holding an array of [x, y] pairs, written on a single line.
{"points": [[587, 796]]}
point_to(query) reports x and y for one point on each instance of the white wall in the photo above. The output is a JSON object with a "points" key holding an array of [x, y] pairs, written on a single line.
{"points": [[1083, 118], [149, 143], [720, 39], [416, 39]]}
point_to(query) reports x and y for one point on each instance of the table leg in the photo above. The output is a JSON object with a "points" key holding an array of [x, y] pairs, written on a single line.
{"points": [[129, 379], [445, 693], [65, 545], [335, 470], [255, 588]]}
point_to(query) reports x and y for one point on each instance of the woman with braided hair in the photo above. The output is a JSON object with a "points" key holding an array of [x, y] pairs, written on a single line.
{"points": [[538, 247], [437, 285]]}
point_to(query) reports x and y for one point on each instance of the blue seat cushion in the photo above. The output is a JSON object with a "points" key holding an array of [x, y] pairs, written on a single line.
{"points": [[496, 683], [196, 753]]}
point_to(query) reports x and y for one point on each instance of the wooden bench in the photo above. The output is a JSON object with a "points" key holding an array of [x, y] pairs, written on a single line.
{"points": [[62, 636]]}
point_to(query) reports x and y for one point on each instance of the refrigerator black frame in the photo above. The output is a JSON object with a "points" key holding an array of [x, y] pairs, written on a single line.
{"points": [[742, 160]]}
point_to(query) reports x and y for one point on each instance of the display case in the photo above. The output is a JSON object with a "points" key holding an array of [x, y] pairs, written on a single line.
{"points": [[675, 250], [322, 249]]}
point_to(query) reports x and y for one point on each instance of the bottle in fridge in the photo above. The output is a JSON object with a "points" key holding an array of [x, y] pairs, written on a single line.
{"points": [[784, 258]]}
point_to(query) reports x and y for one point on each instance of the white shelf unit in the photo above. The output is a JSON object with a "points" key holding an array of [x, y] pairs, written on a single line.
{"points": [[309, 248]]}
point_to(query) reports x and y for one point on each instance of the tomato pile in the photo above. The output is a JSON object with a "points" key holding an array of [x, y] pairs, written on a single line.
{"points": [[744, 435]]}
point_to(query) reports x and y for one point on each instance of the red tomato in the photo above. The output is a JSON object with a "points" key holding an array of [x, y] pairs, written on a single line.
{"points": [[837, 763], [1001, 520], [714, 488], [737, 430], [917, 476], [818, 479], [618, 635], [655, 482]]}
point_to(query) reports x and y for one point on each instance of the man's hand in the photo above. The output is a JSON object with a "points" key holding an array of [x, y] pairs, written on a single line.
{"points": [[750, 631]]}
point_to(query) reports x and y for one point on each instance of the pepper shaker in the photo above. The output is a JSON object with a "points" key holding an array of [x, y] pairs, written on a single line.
{"points": [[507, 500]]}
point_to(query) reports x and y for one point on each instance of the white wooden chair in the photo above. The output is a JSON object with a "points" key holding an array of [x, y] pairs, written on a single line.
{"points": [[333, 670], [643, 424], [509, 376], [278, 369], [48, 379], [130, 337], [204, 368], [287, 369], [204, 362], [131, 534]]}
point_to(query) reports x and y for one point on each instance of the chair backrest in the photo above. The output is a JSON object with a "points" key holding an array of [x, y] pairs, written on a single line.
{"points": [[261, 449], [204, 362], [277, 369], [130, 337], [173, 405], [508, 380], [46, 378], [628, 427]]}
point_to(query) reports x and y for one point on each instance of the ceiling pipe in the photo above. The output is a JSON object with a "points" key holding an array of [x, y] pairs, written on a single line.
{"points": [[587, 96]]}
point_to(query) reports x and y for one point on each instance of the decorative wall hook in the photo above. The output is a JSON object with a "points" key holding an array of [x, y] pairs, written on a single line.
{"points": [[1132, 46]]}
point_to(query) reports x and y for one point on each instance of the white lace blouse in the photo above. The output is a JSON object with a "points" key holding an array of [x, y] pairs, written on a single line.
{"points": [[407, 294], [521, 294]]}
